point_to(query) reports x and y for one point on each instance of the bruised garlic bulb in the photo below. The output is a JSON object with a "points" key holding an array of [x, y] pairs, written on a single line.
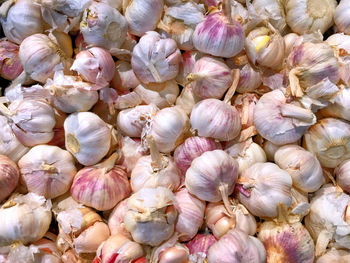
{"points": [[116, 219], [25, 219], [335, 255], [9, 176], [281, 122], [237, 247], [262, 187], [329, 139], [249, 79], [341, 17], [307, 16], [151, 65], [10, 64], [342, 174], [151, 215], [85, 131], [124, 77], [340, 105]]}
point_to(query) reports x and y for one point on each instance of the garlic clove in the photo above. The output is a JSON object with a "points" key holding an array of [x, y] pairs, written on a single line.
{"points": [[9, 176], [249, 79]]}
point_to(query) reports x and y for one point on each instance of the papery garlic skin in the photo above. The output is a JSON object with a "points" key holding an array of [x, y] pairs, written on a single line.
{"points": [[342, 174], [340, 106], [187, 63], [9, 176], [199, 246], [85, 131], [329, 139], [335, 255], [341, 17], [291, 41], [132, 150], [143, 15], [155, 59], [47, 170], [26, 219], [10, 64], [124, 77], [116, 219], [265, 186], [249, 79], [308, 16]]}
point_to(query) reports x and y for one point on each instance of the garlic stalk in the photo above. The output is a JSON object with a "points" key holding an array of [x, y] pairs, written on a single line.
{"points": [[341, 17], [245, 104], [10, 64], [187, 63], [9, 176]]}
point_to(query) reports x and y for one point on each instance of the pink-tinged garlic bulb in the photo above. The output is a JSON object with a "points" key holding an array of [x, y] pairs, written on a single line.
{"points": [[212, 176], [151, 215], [24, 218], [219, 35], [118, 248], [47, 170], [155, 170], [151, 65], [103, 26], [340, 106], [187, 63], [95, 65], [85, 131], [191, 149], [116, 219], [191, 214], [279, 121], [329, 140], [10, 64], [287, 242], [170, 252], [335, 255], [342, 173], [264, 186], [124, 77], [249, 79], [132, 150], [210, 78], [199, 246], [302, 166], [143, 15], [341, 17], [131, 121], [237, 247], [9, 176]]}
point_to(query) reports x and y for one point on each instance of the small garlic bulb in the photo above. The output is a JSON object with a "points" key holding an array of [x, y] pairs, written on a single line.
{"points": [[25, 219], [335, 255], [303, 167], [151, 215], [85, 131], [10, 64], [151, 65], [340, 106], [308, 16], [249, 79], [262, 187], [199, 246], [341, 17], [342, 174], [237, 247], [329, 139], [281, 122], [124, 77], [116, 219], [9, 176]]}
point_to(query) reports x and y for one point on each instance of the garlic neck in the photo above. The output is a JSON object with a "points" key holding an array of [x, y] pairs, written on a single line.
{"points": [[194, 77], [157, 159], [109, 163], [226, 7]]}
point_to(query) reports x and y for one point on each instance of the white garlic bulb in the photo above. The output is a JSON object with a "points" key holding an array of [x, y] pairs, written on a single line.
{"points": [[340, 106], [341, 16], [342, 174], [9, 176], [85, 131]]}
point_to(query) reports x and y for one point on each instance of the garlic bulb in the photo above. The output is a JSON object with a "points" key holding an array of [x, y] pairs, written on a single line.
{"points": [[237, 247], [9, 176], [187, 63], [85, 131], [340, 106], [329, 139], [291, 41], [124, 77], [20, 19], [262, 187], [132, 150], [151, 215], [95, 65], [281, 122], [307, 16], [210, 78], [249, 79], [199, 246], [190, 214], [303, 167], [341, 17], [335, 255], [151, 65], [343, 176], [103, 26], [170, 251], [116, 219], [143, 15], [25, 218], [10, 64], [286, 242], [47, 170]]}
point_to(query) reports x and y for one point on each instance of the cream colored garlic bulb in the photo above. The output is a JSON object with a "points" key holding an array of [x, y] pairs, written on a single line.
{"points": [[341, 16], [329, 139], [9, 176], [85, 131], [335, 255], [249, 79], [307, 16], [151, 215], [116, 219], [24, 218], [342, 174], [151, 65], [340, 106], [303, 167], [281, 122], [262, 187]]}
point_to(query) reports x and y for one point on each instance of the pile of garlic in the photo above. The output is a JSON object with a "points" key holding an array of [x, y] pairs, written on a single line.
{"points": [[175, 131]]}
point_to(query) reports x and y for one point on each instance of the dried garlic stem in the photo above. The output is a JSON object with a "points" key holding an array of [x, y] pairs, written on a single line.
{"points": [[157, 160], [232, 89]]}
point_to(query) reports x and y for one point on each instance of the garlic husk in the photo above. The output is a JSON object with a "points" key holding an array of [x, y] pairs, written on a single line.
{"points": [[85, 131], [151, 215], [10, 64], [286, 242], [199, 246], [341, 17], [262, 187], [24, 218], [340, 106], [245, 104], [303, 167], [187, 63], [20, 19], [70, 256], [151, 65], [34, 92], [105, 107], [187, 99], [236, 246], [64, 40], [307, 16], [116, 219], [132, 150], [281, 122], [143, 15], [124, 77], [190, 214], [291, 41], [335, 255], [249, 79], [9, 173], [342, 174], [103, 26], [329, 139], [47, 170]]}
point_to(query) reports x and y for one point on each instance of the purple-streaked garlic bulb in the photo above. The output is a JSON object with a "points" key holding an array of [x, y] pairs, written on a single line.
{"points": [[131, 150], [47, 170], [10, 64], [124, 77], [155, 59], [116, 219], [342, 173], [249, 79], [341, 17], [9, 176], [199, 246]]}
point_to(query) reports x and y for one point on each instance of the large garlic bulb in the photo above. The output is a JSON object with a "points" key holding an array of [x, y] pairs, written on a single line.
{"points": [[9, 176], [341, 16]]}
